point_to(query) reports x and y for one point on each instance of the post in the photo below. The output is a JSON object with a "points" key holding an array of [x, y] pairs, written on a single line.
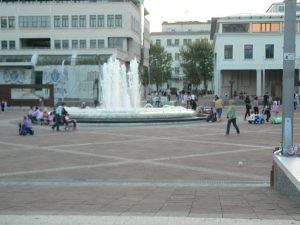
{"points": [[288, 73]]}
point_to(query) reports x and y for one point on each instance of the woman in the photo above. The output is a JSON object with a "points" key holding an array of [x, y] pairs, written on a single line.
{"points": [[255, 105], [248, 106]]}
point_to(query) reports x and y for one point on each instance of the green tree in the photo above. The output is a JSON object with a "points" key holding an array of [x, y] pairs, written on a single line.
{"points": [[160, 65], [197, 62]]}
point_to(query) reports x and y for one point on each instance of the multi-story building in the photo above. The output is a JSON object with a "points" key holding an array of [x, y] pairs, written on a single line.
{"points": [[63, 42], [248, 52], [173, 37]]}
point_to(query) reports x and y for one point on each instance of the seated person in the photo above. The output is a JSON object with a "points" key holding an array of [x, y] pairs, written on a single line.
{"points": [[67, 121], [212, 116], [25, 127], [251, 118]]}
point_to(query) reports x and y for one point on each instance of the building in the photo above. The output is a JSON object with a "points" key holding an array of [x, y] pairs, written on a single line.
{"points": [[64, 42], [173, 37], [248, 52]]}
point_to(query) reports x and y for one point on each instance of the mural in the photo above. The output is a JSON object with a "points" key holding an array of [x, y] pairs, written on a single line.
{"points": [[14, 77]]}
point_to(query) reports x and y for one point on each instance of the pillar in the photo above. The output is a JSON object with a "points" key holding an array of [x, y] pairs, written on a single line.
{"points": [[258, 83]]}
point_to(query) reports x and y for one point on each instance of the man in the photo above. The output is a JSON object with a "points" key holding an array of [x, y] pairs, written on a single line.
{"points": [[266, 100], [58, 113], [231, 115]]}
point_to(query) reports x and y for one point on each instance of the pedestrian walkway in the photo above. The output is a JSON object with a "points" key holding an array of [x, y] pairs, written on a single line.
{"points": [[187, 173]]}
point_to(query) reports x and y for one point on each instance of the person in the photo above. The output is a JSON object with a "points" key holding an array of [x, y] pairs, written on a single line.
{"points": [[275, 108], [267, 112], [231, 116], [266, 100], [219, 107], [251, 118], [248, 106], [25, 127], [255, 105], [295, 101], [2, 105], [212, 116], [58, 114]]}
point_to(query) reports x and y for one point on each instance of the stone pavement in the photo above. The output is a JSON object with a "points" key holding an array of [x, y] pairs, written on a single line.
{"points": [[146, 174]]}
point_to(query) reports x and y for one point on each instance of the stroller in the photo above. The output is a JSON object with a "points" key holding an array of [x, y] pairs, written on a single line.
{"points": [[24, 130], [70, 124]]}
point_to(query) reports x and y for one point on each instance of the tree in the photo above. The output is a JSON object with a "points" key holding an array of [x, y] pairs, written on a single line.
{"points": [[197, 62], [160, 65]]}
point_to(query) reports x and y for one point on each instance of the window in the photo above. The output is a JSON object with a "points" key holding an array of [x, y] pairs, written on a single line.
{"points": [[74, 21], [101, 43], [248, 51], [65, 44], [176, 42], [74, 44], [236, 28], [56, 21], [34, 21], [3, 21], [265, 27], [187, 41], [4, 44], [228, 52], [65, 21], [57, 44], [12, 45], [82, 21], [82, 44], [118, 20], [110, 21], [169, 42], [169, 55], [269, 51], [101, 21], [177, 56], [92, 20], [115, 42], [158, 42], [177, 70], [11, 22], [93, 44]]}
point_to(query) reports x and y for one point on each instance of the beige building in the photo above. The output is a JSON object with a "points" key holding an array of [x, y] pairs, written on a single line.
{"points": [[173, 37], [65, 42]]}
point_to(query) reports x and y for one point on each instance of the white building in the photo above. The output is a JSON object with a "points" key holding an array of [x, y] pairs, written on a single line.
{"points": [[173, 37], [64, 42], [248, 50]]}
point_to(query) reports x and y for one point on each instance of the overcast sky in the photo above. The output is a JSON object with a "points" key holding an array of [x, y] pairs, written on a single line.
{"points": [[199, 10]]}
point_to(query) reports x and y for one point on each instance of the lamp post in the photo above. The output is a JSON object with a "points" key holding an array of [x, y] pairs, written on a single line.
{"points": [[288, 73]]}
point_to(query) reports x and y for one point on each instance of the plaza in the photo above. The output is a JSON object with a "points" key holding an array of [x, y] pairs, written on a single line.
{"points": [[179, 173]]}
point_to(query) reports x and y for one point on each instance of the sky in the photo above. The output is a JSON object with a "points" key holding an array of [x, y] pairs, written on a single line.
{"points": [[199, 10]]}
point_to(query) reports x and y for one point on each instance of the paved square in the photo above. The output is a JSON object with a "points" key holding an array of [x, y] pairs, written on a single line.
{"points": [[183, 170]]}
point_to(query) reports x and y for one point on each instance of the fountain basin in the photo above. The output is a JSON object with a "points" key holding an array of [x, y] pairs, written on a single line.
{"points": [[138, 115]]}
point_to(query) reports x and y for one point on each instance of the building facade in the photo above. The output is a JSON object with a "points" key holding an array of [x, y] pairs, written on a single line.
{"points": [[65, 42], [248, 51], [173, 37]]}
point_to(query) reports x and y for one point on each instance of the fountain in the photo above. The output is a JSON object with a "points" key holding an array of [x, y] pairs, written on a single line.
{"points": [[121, 101]]}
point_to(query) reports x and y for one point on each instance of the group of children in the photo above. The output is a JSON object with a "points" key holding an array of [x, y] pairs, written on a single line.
{"points": [[44, 117], [256, 118]]}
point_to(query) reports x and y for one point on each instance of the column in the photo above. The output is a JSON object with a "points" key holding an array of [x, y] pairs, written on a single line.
{"points": [[217, 82], [258, 83]]}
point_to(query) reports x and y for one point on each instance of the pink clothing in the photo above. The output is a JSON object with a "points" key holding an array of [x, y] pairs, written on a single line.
{"points": [[255, 103]]}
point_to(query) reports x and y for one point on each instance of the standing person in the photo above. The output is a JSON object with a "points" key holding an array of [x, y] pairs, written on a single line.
{"points": [[248, 106], [231, 115], [275, 108], [58, 114], [266, 100], [255, 105], [2, 105], [219, 107]]}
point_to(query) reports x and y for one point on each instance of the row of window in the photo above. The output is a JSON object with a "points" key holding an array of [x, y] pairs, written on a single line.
{"points": [[113, 42], [8, 44], [176, 42], [248, 51], [62, 21], [256, 27], [58, 44]]}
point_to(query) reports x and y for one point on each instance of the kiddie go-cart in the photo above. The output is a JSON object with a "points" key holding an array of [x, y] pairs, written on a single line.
{"points": [[24, 130], [257, 119]]}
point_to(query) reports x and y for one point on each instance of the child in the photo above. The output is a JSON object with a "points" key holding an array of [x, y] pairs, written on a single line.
{"points": [[267, 112], [25, 127], [251, 118]]}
